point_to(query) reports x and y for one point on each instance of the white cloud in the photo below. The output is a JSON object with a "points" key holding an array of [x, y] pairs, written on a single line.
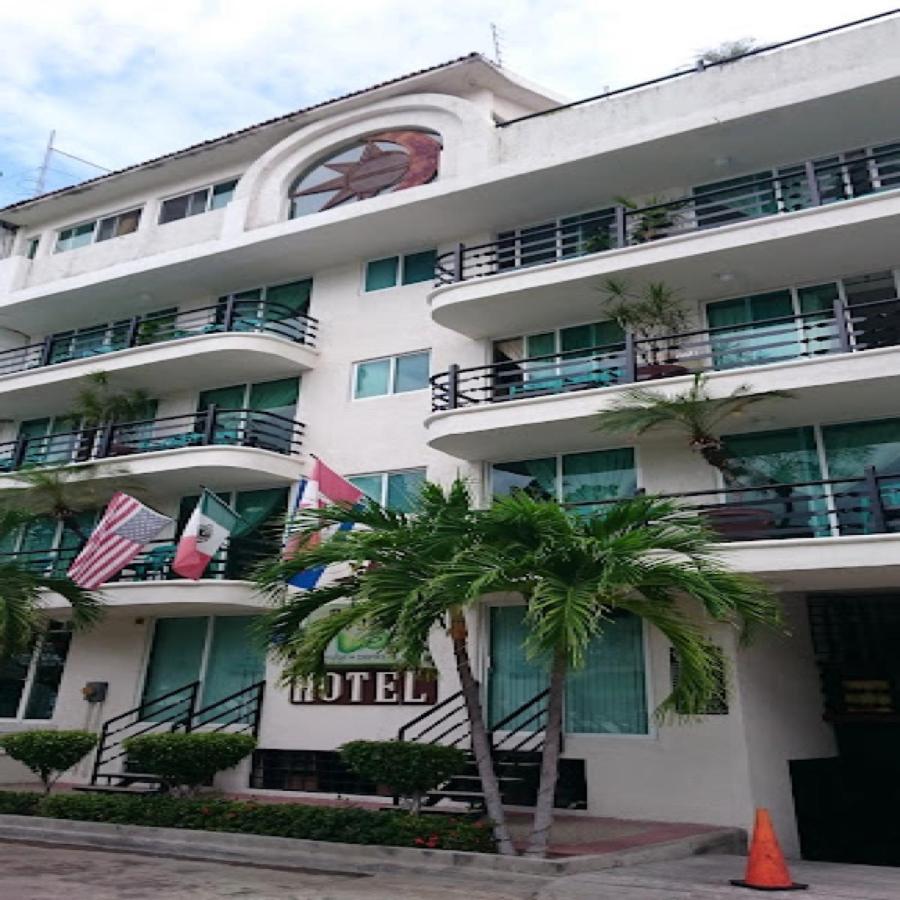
{"points": [[122, 82]]}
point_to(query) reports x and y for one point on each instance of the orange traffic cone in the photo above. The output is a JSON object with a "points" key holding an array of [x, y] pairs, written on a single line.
{"points": [[766, 868]]}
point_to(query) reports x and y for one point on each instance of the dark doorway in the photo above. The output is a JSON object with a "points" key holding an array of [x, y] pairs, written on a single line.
{"points": [[848, 806]]}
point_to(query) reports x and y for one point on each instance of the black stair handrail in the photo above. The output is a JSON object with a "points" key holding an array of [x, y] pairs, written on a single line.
{"points": [[428, 714], [538, 708], [108, 742], [250, 699]]}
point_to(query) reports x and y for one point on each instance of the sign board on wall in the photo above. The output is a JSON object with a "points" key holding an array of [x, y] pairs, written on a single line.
{"points": [[367, 687], [358, 647]]}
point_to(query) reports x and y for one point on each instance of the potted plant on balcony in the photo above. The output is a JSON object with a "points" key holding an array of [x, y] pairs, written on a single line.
{"points": [[656, 317], [652, 221], [700, 417], [99, 404]]}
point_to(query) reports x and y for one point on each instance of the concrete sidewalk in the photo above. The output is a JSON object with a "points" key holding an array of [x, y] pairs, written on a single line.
{"points": [[707, 877]]}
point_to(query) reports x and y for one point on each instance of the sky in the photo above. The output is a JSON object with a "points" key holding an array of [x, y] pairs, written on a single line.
{"points": [[123, 82]]}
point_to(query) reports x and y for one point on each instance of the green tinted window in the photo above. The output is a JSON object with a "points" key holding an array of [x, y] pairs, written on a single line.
{"points": [[382, 273], [372, 378], [370, 485], [537, 477], [403, 489], [412, 372], [419, 267]]}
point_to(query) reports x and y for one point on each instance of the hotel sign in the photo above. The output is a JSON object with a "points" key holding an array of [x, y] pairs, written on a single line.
{"points": [[366, 687]]}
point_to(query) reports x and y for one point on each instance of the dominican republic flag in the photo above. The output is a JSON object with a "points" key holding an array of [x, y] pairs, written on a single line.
{"points": [[323, 487], [209, 526], [124, 528]]}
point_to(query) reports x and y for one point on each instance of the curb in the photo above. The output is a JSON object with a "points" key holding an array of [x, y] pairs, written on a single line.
{"points": [[295, 853]]}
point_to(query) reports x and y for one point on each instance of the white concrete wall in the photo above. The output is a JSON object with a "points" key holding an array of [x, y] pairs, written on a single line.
{"points": [[782, 716]]}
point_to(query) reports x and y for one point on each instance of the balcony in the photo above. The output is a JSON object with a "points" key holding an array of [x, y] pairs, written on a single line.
{"points": [[482, 412], [533, 278], [223, 447], [148, 581], [814, 535], [163, 350]]}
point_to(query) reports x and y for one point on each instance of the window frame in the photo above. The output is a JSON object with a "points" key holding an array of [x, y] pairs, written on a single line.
{"points": [[28, 682], [401, 281], [95, 225], [384, 477], [208, 189], [392, 374], [483, 614], [488, 474]]}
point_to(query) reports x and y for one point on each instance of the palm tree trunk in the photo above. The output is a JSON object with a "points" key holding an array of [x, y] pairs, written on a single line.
{"points": [[543, 810], [481, 745]]}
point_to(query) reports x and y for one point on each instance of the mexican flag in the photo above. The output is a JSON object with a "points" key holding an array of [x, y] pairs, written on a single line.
{"points": [[209, 526]]}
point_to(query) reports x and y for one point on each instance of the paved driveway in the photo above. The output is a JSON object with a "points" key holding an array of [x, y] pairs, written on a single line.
{"points": [[31, 872]]}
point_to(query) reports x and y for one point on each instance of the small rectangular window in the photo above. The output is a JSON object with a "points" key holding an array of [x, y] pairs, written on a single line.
{"points": [[391, 375], [382, 273], [412, 372], [117, 226], [396, 490], [197, 202], [31, 248], [418, 267], [222, 194], [76, 236], [412, 268]]}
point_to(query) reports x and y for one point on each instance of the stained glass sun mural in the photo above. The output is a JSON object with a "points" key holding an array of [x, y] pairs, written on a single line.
{"points": [[380, 164]]}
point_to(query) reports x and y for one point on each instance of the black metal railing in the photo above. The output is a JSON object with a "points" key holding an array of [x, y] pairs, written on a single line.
{"points": [[161, 714], [239, 712], [235, 561], [840, 329], [213, 426], [155, 328], [524, 730], [802, 186], [838, 507], [447, 723]]}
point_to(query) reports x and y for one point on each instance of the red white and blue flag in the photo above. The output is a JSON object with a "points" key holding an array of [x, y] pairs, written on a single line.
{"points": [[123, 530], [323, 487]]}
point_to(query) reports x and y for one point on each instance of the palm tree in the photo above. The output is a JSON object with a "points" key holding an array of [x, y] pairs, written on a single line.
{"points": [[644, 556], [59, 493], [23, 591], [693, 411], [395, 560], [98, 403]]}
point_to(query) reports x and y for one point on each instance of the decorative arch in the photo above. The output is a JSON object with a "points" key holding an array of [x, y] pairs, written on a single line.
{"points": [[381, 163], [467, 136]]}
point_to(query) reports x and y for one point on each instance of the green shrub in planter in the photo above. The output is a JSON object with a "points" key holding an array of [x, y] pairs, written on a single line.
{"points": [[48, 753], [291, 820], [411, 770], [18, 803], [187, 760]]}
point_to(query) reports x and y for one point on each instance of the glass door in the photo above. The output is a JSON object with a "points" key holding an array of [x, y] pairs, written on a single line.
{"points": [[274, 431], [775, 461], [176, 659], [742, 332]]}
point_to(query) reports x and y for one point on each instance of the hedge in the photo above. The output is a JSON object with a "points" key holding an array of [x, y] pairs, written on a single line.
{"points": [[294, 820]]}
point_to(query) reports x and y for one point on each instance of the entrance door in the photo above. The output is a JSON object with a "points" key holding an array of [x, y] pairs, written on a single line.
{"points": [[607, 696], [847, 805], [219, 652]]}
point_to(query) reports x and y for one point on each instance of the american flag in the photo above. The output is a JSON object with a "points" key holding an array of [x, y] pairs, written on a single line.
{"points": [[118, 538]]}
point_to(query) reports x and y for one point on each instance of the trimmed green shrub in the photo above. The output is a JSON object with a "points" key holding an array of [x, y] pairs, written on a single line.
{"points": [[320, 823], [18, 803], [410, 770], [48, 753], [187, 760]]}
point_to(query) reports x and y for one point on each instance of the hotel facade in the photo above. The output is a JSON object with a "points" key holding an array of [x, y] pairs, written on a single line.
{"points": [[408, 283]]}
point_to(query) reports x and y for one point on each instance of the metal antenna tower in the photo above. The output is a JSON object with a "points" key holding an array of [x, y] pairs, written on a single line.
{"points": [[495, 37]]}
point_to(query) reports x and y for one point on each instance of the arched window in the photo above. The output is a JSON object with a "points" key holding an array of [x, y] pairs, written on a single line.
{"points": [[379, 164]]}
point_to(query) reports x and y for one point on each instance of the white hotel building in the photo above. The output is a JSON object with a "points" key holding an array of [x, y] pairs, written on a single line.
{"points": [[413, 272]]}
